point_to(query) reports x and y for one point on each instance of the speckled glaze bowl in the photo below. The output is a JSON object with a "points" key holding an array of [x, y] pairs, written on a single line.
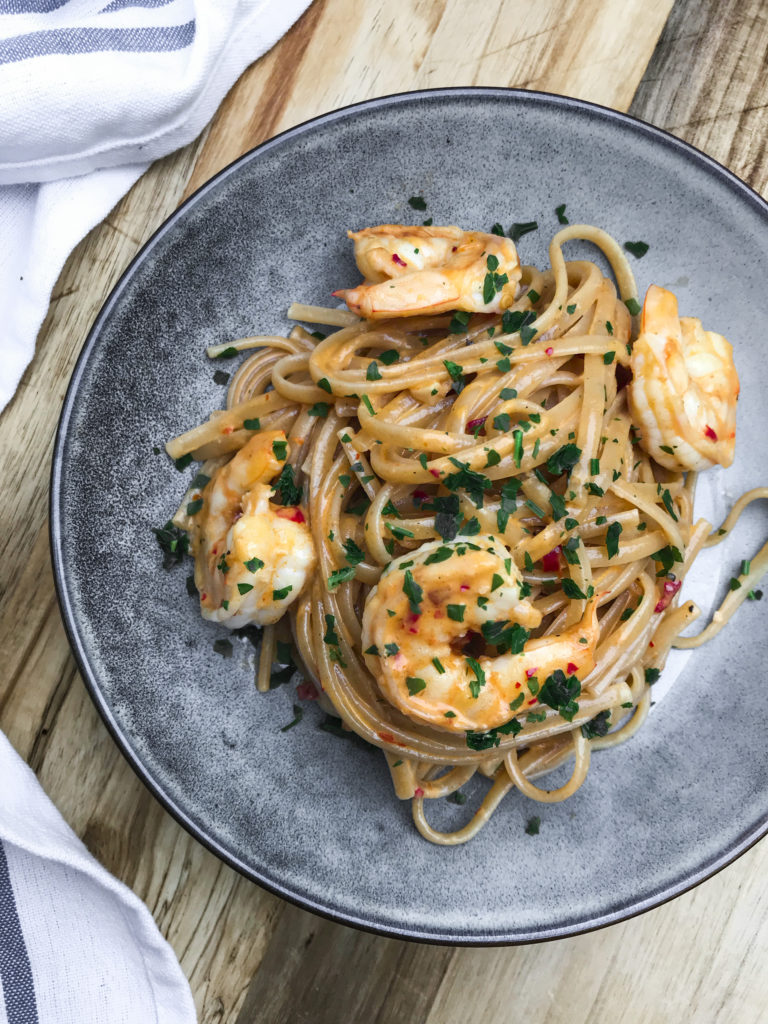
{"points": [[305, 813]]}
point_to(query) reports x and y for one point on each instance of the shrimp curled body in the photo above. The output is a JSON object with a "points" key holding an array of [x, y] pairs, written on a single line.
{"points": [[684, 389], [252, 558], [420, 624], [413, 270]]}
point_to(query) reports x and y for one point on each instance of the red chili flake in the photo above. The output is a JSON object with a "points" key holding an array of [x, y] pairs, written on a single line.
{"points": [[419, 496], [464, 586], [534, 701], [418, 791], [435, 472], [386, 736], [454, 248], [203, 597], [531, 672], [572, 667], [671, 587], [517, 686], [307, 691], [400, 262], [227, 430], [410, 621], [549, 350], [215, 551], [292, 513], [551, 561], [709, 432], [476, 423]]}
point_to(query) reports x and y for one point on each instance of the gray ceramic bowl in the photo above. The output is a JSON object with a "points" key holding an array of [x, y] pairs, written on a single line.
{"points": [[310, 816]]}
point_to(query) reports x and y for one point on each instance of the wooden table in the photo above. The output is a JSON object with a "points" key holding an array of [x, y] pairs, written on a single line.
{"points": [[695, 67]]}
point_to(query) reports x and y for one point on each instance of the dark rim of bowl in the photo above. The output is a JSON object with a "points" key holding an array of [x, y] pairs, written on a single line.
{"points": [[303, 900]]}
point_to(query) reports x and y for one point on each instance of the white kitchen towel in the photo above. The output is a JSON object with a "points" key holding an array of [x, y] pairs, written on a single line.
{"points": [[76, 945], [91, 91]]}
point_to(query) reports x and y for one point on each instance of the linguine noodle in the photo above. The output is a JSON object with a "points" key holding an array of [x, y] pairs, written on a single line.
{"points": [[521, 422]]}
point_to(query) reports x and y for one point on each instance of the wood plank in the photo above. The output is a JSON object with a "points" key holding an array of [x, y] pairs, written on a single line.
{"points": [[706, 83], [344, 51], [316, 971]]}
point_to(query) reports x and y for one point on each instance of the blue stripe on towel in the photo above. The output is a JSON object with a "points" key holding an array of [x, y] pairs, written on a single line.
{"points": [[15, 969], [119, 5], [30, 6], [96, 40]]}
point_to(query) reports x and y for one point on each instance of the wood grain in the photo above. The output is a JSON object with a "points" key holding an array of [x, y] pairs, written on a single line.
{"points": [[249, 956], [344, 51]]}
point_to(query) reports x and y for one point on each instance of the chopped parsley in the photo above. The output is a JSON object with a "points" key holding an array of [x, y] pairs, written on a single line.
{"points": [[252, 424], [612, 539], [667, 556], [417, 203], [492, 738], [563, 460], [331, 637], [506, 637], [457, 797], [413, 592], [174, 543], [652, 675], [476, 684], [193, 507], [298, 714], [597, 726], [253, 564], [319, 409], [372, 373], [220, 377], [287, 492], [415, 685], [514, 320], [459, 322], [666, 497], [280, 448], [638, 249], [633, 306], [533, 825], [520, 228], [277, 595], [572, 590], [560, 692], [390, 356], [456, 612], [223, 647], [340, 576], [608, 357], [560, 211], [353, 554]]}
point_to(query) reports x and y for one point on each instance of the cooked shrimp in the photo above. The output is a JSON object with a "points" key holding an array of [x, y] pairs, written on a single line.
{"points": [[252, 559], [434, 607], [684, 388], [411, 270]]}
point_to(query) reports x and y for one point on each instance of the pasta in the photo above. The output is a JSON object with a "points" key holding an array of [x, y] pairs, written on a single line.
{"points": [[428, 455]]}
